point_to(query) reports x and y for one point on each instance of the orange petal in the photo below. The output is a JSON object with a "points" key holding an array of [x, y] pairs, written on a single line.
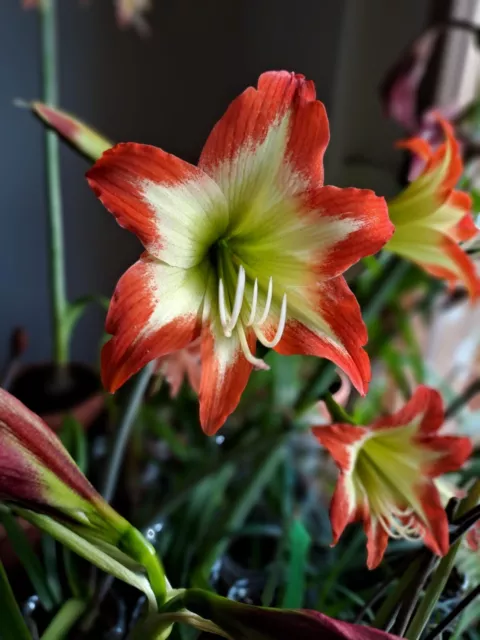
{"points": [[278, 130], [174, 208], [225, 373], [425, 402], [370, 227], [143, 326], [343, 334]]}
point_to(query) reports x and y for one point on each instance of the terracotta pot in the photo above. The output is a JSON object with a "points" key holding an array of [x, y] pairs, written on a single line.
{"points": [[80, 395]]}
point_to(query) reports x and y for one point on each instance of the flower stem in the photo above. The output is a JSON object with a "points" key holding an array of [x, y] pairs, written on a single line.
{"points": [[123, 434], [440, 577], [12, 619], [48, 19], [67, 616], [337, 412], [463, 399], [135, 545]]}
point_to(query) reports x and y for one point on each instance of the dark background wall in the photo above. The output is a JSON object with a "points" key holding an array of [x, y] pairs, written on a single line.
{"points": [[168, 90]]}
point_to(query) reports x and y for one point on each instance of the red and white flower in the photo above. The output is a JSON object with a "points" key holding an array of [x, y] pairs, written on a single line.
{"points": [[431, 217], [250, 245], [388, 471]]}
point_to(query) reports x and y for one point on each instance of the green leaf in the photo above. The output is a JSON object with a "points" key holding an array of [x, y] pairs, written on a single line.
{"points": [[12, 626], [76, 309], [111, 560], [49, 548], [32, 565], [239, 511], [300, 542], [285, 379], [62, 623], [74, 440]]}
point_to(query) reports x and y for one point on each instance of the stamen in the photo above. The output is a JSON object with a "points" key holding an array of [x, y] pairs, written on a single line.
{"points": [[221, 304], [397, 530], [251, 319], [280, 329], [257, 362], [268, 303], [237, 304]]}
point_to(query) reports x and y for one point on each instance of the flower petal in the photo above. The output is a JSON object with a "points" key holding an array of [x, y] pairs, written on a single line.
{"points": [[327, 323], [274, 135], [174, 208], [424, 407], [225, 373], [453, 452], [435, 534], [154, 310], [377, 541], [248, 622], [438, 254], [365, 226], [342, 441]]}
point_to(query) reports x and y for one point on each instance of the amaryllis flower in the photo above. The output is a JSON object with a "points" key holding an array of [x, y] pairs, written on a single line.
{"points": [[37, 473], [246, 622], [250, 245], [431, 217], [387, 473]]}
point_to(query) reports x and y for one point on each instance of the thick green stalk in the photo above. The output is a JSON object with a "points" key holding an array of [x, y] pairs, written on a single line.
{"points": [[13, 626], [440, 577], [62, 623], [54, 198]]}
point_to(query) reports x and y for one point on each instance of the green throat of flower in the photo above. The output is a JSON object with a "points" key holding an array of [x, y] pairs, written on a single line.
{"points": [[246, 301], [385, 473]]}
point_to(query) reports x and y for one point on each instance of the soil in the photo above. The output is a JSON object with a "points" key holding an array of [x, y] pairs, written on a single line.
{"points": [[38, 388]]}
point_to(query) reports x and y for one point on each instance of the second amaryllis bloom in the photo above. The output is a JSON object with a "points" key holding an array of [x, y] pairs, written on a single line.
{"points": [[431, 217], [250, 245], [388, 471]]}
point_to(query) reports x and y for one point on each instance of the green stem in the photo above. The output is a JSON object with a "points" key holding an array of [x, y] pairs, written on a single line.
{"points": [[54, 198], [337, 412], [61, 624], [135, 545], [13, 626], [441, 575], [124, 431]]}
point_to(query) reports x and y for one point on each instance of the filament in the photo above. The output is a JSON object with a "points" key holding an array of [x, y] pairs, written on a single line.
{"points": [[280, 329]]}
